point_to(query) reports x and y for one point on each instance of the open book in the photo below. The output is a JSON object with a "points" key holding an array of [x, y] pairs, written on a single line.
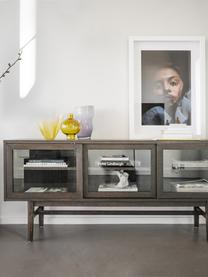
{"points": [[114, 187], [46, 189]]}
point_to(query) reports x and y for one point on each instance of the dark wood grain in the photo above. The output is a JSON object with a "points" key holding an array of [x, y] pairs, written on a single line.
{"points": [[30, 224], [83, 192]]}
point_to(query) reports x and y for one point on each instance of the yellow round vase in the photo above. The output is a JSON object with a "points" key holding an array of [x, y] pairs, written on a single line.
{"points": [[70, 127]]}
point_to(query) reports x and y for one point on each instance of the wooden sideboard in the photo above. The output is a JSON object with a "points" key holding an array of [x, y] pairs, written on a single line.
{"points": [[107, 173]]}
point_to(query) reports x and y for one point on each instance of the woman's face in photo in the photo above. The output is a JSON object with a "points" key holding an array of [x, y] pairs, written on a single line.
{"points": [[168, 85]]}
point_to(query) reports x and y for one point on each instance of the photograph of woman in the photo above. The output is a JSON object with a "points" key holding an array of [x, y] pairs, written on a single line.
{"points": [[166, 89]]}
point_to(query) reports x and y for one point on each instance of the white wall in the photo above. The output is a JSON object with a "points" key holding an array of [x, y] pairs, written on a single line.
{"points": [[82, 58]]}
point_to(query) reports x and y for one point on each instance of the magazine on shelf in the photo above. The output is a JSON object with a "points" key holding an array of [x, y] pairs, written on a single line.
{"points": [[57, 189], [114, 187], [198, 185], [36, 189], [45, 189]]}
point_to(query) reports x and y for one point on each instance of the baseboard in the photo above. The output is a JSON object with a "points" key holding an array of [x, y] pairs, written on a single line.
{"points": [[80, 219]]}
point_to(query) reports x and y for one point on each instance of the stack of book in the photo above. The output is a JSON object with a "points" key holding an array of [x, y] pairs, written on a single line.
{"points": [[190, 164], [200, 185], [45, 163], [115, 160]]}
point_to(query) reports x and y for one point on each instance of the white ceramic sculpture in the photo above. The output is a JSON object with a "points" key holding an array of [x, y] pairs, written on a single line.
{"points": [[123, 179]]}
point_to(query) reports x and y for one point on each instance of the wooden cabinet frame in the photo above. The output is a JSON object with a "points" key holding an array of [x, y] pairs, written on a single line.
{"points": [[38, 202], [120, 146], [36, 145], [177, 145]]}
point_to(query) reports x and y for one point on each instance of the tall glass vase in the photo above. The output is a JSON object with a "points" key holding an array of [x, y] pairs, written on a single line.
{"points": [[85, 114]]}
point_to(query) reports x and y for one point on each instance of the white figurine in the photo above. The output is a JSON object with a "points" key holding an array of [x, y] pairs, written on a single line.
{"points": [[123, 179]]}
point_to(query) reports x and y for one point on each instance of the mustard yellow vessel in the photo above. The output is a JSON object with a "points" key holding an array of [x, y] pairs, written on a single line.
{"points": [[70, 127]]}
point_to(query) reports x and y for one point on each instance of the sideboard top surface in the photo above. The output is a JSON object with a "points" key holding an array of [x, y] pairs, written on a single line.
{"points": [[104, 141]]}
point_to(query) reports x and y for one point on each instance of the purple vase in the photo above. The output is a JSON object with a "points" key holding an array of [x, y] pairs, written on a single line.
{"points": [[84, 115]]}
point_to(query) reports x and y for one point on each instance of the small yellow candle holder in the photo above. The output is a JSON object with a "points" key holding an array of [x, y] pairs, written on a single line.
{"points": [[70, 127], [49, 128]]}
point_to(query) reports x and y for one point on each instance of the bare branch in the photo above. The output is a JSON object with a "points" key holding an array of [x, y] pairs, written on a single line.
{"points": [[10, 65], [17, 59]]}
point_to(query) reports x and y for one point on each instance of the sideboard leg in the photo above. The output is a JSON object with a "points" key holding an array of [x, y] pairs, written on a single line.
{"points": [[196, 217], [30, 224], [41, 217], [206, 217]]}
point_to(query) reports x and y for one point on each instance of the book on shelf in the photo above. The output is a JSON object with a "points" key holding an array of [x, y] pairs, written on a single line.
{"points": [[46, 163], [36, 189], [62, 189], [46, 189], [115, 163], [46, 160], [119, 158], [114, 187], [189, 164], [199, 185]]}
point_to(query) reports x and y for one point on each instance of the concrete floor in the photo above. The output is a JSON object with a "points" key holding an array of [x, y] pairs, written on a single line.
{"points": [[104, 251]]}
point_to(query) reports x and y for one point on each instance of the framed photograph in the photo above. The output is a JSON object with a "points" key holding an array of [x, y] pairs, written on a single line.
{"points": [[167, 87]]}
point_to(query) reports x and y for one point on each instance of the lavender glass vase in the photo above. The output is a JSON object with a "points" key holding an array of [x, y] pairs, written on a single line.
{"points": [[85, 114]]}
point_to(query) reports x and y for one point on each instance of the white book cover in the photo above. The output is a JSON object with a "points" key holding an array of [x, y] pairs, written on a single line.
{"points": [[114, 187], [188, 164], [115, 158], [199, 185]]}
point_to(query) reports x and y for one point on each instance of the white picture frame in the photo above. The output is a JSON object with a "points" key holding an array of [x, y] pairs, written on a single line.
{"points": [[138, 46]]}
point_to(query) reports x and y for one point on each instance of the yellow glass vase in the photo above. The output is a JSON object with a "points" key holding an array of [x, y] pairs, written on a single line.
{"points": [[49, 128], [70, 127]]}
